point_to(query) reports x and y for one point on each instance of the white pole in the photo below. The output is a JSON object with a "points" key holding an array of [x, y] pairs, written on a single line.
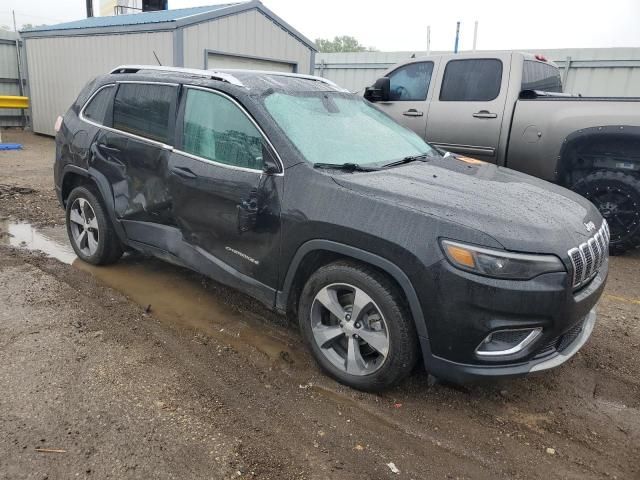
{"points": [[475, 35], [428, 39]]}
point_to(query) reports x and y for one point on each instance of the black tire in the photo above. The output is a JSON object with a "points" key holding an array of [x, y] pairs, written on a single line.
{"points": [[109, 249], [617, 196], [402, 339]]}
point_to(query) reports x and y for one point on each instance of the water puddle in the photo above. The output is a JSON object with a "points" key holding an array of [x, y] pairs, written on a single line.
{"points": [[176, 296], [24, 235]]}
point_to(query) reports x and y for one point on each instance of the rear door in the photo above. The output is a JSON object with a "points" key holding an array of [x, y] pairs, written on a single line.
{"points": [[410, 92], [468, 106], [133, 151], [223, 201]]}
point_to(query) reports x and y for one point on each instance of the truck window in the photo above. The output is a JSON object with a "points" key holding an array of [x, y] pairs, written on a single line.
{"points": [[541, 76], [144, 109], [471, 80], [411, 82]]}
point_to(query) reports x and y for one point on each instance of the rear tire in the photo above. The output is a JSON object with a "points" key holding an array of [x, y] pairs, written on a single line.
{"points": [[340, 344], [617, 196], [90, 231]]}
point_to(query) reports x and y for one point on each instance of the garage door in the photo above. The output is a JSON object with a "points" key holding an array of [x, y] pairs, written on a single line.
{"points": [[217, 60]]}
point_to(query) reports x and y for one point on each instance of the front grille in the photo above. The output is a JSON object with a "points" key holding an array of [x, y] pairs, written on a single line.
{"points": [[587, 258]]}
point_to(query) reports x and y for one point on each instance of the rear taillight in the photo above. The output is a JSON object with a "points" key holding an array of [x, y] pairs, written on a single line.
{"points": [[541, 58], [58, 125]]}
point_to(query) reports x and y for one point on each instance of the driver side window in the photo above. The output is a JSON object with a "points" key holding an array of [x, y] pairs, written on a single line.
{"points": [[216, 129], [410, 82]]}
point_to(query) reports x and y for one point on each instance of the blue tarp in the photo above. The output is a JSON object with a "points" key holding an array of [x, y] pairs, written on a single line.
{"points": [[10, 146]]}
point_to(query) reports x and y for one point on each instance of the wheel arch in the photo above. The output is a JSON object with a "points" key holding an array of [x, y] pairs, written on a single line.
{"points": [[605, 140], [74, 176], [315, 253]]}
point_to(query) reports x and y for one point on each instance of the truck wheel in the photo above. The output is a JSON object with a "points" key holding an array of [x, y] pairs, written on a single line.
{"points": [[617, 196], [358, 326], [89, 228]]}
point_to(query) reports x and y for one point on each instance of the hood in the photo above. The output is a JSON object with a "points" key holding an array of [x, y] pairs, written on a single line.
{"points": [[523, 213]]}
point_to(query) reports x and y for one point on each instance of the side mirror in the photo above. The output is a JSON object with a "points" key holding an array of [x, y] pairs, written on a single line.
{"points": [[380, 91]]}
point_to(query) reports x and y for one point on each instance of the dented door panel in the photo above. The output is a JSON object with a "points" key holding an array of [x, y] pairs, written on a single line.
{"points": [[233, 214]]}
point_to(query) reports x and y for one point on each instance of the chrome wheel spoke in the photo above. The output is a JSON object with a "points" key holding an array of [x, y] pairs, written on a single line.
{"points": [[76, 217], [328, 297], [82, 240], [376, 340], [360, 303], [325, 335], [355, 364]]}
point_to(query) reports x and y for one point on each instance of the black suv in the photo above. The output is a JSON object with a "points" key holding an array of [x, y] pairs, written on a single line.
{"points": [[311, 200]]}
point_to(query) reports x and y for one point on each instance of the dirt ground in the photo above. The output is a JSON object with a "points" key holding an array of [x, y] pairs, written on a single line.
{"points": [[145, 370]]}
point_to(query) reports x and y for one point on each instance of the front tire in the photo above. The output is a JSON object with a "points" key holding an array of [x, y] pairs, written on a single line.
{"points": [[358, 326], [90, 231], [617, 196]]}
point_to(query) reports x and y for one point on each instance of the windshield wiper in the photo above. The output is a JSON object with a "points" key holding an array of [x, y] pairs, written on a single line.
{"points": [[409, 159], [349, 167]]}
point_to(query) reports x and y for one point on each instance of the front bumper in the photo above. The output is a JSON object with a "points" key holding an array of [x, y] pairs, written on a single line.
{"points": [[462, 373], [465, 308]]}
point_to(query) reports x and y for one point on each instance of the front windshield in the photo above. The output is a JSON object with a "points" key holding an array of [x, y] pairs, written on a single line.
{"points": [[335, 128]]}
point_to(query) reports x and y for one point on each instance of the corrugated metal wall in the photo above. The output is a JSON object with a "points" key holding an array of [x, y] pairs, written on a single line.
{"points": [[9, 83], [58, 67], [249, 33], [592, 71]]}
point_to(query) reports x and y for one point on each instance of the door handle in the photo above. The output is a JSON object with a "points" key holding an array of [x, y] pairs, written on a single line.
{"points": [[184, 172], [107, 148], [412, 112], [485, 114]]}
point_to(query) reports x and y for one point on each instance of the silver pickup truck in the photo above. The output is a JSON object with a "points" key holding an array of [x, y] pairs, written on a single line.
{"points": [[508, 108]]}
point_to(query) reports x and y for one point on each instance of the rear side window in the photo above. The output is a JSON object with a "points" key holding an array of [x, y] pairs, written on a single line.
{"points": [[541, 76], [145, 110], [471, 80], [411, 82], [216, 129], [98, 107]]}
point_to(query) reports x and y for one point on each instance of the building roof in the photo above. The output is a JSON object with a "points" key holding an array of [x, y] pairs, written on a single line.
{"points": [[160, 16], [159, 20]]}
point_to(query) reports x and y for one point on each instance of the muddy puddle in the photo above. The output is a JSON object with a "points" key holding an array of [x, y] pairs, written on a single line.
{"points": [[172, 295]]}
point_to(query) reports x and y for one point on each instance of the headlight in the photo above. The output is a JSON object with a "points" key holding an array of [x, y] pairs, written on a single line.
{"points": [[498, 263]]}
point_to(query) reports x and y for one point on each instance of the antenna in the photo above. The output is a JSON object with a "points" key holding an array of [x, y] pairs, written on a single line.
{"points": [[157, 59], [428, 39], [455, 48]]}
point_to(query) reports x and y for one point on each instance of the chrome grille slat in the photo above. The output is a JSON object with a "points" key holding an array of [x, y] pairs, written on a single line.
{"points": [[587, 258]]}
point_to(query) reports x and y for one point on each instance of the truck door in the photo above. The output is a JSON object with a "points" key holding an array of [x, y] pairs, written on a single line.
{"points": [[409, 95], [467, 109]]}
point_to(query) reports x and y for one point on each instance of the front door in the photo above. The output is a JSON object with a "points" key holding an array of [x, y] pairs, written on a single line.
{"points": [[408, 97], [223, 201], [468, 107]]}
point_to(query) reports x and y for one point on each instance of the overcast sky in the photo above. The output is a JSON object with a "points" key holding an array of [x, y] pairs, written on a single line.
{"points": [[402, 24]]}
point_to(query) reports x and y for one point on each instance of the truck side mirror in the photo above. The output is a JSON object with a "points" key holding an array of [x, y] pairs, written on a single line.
{"points": [[380, 91]]}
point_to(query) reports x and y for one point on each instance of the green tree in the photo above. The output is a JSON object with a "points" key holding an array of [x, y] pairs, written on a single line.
{"points": [[344, 43]]}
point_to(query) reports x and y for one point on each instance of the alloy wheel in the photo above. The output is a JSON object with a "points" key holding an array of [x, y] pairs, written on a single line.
{"points": [[84, 227], [349, 329]]}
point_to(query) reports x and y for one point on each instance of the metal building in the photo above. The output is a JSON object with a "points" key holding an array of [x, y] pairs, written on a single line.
{"points": [[62, 58], [591, 72], [9, 78]]}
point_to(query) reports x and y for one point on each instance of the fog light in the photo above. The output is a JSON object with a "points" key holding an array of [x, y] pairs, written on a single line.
{"points": [[507, 342]]}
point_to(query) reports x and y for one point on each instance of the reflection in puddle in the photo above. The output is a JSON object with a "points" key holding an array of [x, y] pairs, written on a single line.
{"points": [[177, 297], [24, 235]]}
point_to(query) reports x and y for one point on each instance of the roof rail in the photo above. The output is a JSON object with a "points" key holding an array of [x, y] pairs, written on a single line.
{"points": [[213, 74], [285, 74]]}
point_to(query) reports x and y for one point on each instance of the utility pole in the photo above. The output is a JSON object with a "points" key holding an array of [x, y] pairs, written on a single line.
{"points": [[89, 4], [455, 48], [475, 35]]}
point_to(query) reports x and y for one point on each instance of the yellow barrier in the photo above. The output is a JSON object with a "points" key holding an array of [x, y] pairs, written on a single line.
{"points": [[13, 102]]}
